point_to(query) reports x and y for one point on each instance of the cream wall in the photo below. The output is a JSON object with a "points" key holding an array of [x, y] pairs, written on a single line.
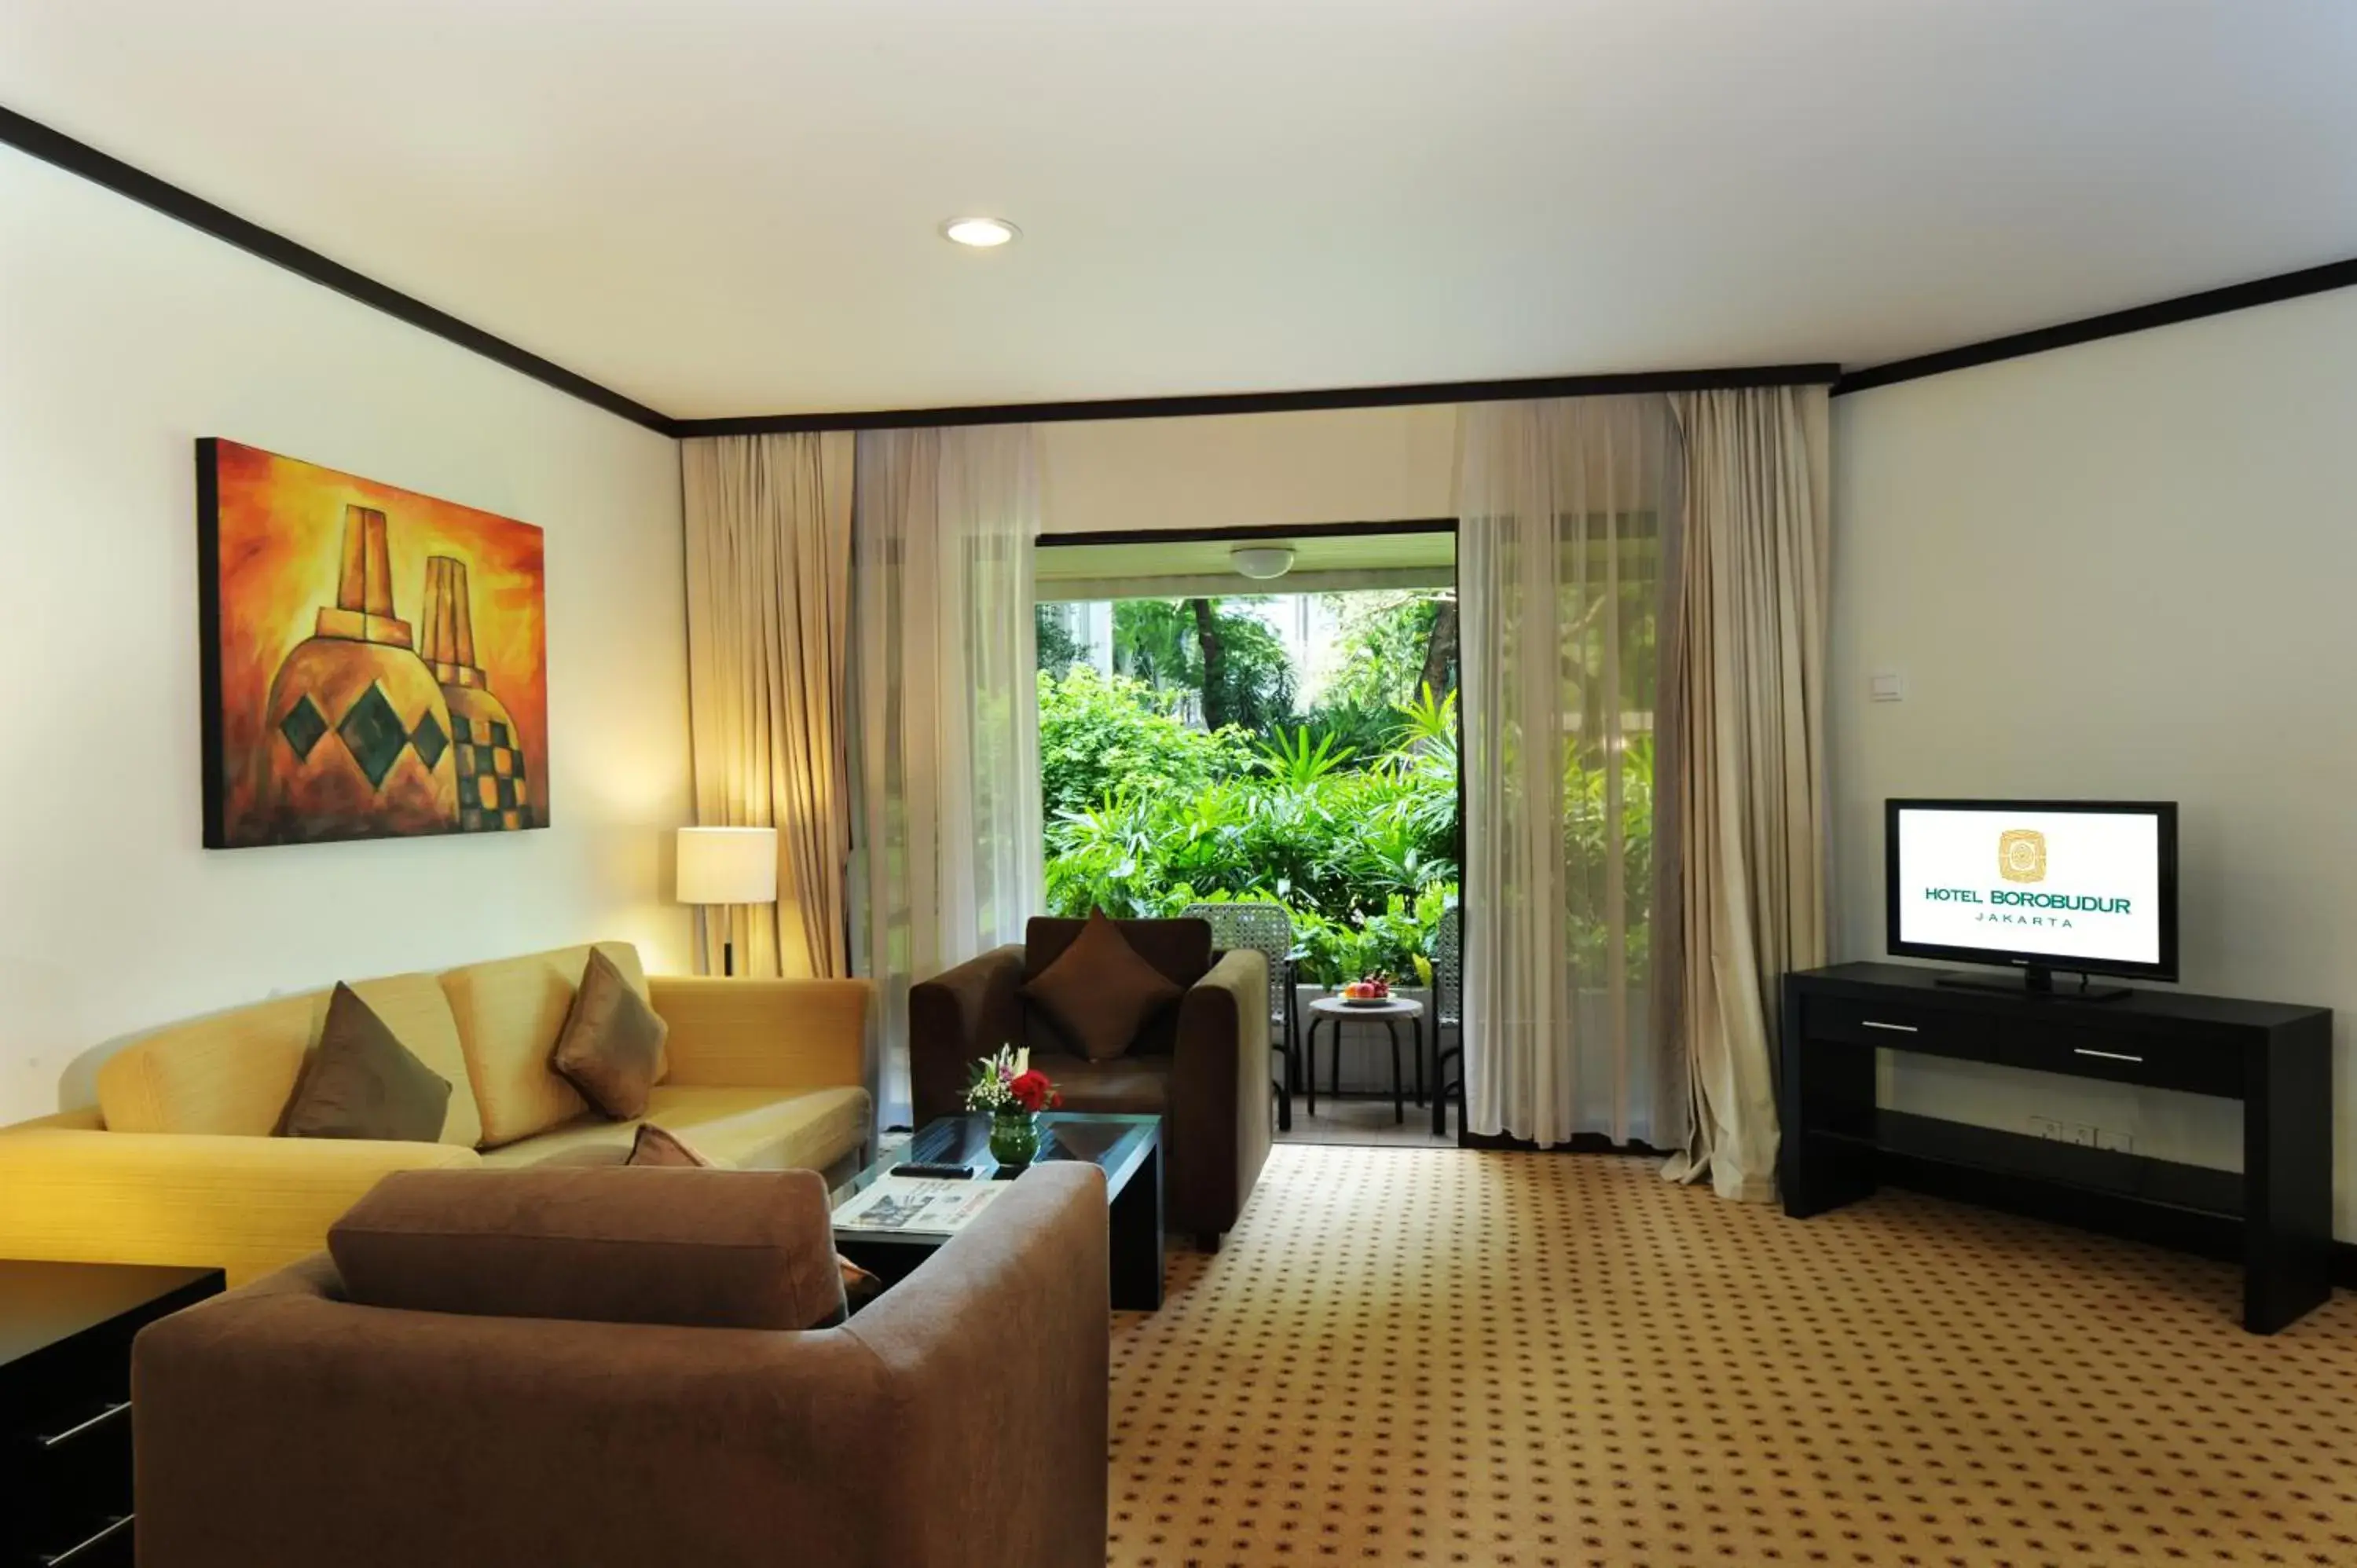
{"points": [[2120, 570], [123, 336], [1249, 470]]}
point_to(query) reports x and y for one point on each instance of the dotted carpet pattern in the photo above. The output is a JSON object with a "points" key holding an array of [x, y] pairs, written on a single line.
{"points": [[1539, 1360]]}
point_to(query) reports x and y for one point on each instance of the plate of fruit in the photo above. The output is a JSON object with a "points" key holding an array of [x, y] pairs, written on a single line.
{"points": [[1372, 990]]}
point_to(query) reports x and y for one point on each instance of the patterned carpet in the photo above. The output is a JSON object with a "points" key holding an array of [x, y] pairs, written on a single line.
{"points": [[1408, 1356]]}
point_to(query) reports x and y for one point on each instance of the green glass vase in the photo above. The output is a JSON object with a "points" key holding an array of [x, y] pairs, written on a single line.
{"points": [[1014, 1138]]}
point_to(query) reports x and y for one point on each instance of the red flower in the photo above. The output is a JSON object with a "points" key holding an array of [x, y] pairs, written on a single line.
{"points": [[1032, 1092]]}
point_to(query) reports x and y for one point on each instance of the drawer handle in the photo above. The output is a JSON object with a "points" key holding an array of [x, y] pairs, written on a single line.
{"points": [[106, 1532], [1894, 1028], [112, 1412], [2107, 1056]]}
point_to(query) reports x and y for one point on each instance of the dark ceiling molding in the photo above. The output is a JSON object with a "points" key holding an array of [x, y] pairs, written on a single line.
{"points": [[32, 138], [79, 158], [1190, 404], [2112, 323], [1248, 532]]}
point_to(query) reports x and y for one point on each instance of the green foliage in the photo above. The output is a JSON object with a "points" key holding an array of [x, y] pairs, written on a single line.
{"points": [[1159, 642], [1295, 761], [1099, 734], [1146, 815], [1587, 821], [1380, 658], [1059, 649]]}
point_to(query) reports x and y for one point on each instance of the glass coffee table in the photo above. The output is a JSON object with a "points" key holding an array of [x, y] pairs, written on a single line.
{"points": [[1128, 1149]]}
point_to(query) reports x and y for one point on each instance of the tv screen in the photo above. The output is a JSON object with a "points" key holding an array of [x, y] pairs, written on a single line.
{"points": [[2072, 885]]}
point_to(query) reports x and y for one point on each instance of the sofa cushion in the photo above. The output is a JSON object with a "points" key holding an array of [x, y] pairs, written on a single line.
{"points": [[1134, 1085], [1099, 992], [611, 1043], [233, 1072], [508, 1013], [653, 1145], [699, 1249], [752, 1129], [363, 1084]]}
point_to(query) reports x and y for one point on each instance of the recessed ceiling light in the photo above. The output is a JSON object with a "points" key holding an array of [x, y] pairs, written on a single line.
{"points": [[981, 233]]}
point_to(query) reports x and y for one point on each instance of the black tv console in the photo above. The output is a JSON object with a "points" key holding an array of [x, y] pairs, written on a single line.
{"points": [[2276, 1215]]}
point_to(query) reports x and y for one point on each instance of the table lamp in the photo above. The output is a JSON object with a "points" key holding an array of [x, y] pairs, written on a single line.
{"points": [[727, 867]]}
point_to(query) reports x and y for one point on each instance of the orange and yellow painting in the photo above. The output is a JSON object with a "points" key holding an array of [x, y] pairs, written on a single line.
{"points": [[375, 660]]}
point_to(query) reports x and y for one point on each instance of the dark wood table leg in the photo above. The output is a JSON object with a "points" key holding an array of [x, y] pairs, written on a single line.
{"points": [[1283, 1105], [1137, 1238], [2288, 1181], [1825, 1084], [1399, 1096]]}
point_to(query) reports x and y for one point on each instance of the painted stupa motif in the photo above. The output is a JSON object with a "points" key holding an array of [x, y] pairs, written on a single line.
{"points": [[489, 751], [358, 726]]}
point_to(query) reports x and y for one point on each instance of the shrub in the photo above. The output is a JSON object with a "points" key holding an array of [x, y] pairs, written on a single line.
{"points": [[1146, 815], [1099, 733]]}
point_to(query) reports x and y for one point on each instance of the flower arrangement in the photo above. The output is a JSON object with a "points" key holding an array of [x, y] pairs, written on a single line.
{"points": [[1005, 1085]]}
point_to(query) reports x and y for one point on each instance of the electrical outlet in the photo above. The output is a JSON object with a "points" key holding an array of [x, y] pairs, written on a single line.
{"points": [[2120, 1143], [2084, 1134], [2045, 1127]]}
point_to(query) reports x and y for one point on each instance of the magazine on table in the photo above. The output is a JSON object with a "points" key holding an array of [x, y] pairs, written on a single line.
{"points": [[928, 1206]]}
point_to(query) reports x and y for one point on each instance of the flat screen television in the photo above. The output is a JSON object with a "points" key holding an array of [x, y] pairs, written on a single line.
{"points": [[2088, 886]]}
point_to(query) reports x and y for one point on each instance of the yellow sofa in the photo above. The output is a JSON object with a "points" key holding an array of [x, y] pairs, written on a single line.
{"points": [[177, 1165]]}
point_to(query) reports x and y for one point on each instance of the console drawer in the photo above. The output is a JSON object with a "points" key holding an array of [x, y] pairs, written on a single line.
{"points": [[2195, 1067], [1899, 1024]]}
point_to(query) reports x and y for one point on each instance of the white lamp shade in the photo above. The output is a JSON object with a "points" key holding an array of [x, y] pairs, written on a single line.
{"points": [[727, 865]]}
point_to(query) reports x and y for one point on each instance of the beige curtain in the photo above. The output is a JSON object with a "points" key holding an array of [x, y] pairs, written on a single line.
{"points": [[768, 575], [1749, 650]]}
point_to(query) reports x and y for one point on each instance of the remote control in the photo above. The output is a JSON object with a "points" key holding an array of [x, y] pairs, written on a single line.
{"points": [[942, 1173]]}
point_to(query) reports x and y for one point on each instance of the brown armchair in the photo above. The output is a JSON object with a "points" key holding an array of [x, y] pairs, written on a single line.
{"points": [[1201, 1064]]}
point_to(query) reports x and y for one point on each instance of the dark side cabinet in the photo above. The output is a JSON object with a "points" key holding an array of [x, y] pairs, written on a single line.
{"points": [[2274, 1216], [65, 1404]]}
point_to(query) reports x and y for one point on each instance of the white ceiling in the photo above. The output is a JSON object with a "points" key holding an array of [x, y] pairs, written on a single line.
{"points": [[729, 206]]}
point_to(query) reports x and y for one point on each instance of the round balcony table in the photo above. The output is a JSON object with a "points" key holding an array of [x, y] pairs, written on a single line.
{"points": [[1333, 1012]]}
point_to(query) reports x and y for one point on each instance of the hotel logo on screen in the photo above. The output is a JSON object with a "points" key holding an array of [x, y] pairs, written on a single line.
{"points": [[2021, 858], [2021, 854]]}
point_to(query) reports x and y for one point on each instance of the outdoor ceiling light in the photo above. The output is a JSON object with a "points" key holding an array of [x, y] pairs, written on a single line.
{"points": [[1262, 562], [981, 233]]}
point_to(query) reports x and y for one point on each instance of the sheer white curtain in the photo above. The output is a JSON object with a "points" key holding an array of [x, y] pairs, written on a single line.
{"points": [[1568, 517], [945, 759]]}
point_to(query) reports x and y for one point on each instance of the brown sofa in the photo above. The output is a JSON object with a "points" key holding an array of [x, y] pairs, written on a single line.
{"points": [[959, 1421], [1201, 1064]]}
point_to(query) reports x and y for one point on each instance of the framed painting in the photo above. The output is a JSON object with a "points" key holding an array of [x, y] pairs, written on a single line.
{"points": [[375, 661]]}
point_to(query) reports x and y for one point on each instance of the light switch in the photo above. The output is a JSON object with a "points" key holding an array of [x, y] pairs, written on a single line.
{"points": [[1887, 686]]}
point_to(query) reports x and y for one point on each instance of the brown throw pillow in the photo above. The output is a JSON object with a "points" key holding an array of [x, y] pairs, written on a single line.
{"points": [[656, 1146], [1099, 992], [611, 1045], [363, 1084]]}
